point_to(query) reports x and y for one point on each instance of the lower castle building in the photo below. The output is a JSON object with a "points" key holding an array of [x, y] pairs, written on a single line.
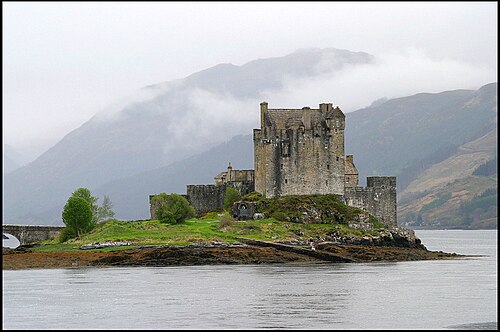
{"points": [[300, 152], [210, 197]]}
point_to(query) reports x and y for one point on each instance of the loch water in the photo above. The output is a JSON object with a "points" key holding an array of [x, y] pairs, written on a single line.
{"points": [[443, 294]]}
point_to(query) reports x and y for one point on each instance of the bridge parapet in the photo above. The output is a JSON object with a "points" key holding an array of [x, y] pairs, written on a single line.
{"points": [[27, 234]]}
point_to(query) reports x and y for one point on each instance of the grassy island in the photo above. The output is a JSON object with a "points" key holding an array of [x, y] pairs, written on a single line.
{"points": [[290, 225]]}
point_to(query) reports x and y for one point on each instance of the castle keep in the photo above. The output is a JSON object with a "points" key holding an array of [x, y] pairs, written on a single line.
{"points": [[301, 152]]}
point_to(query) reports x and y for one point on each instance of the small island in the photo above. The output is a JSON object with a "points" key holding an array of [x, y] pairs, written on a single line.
{"points": [[300, 204], [312, 229]]}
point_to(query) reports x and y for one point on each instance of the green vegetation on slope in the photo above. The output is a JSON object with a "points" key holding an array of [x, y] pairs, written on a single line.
{"points": [[487, 169], [480, 207], [309, 209], [436, 203], [218, 227]]}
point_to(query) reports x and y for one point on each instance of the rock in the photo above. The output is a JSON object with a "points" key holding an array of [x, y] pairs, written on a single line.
{"points": [[97, 245]]}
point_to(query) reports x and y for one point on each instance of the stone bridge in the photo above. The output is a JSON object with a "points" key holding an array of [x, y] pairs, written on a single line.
{"points": [[30, 234]]}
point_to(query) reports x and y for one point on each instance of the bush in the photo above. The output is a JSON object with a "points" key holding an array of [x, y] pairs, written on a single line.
{"points": [[279, 216], [225, 222], [231, 196], [66, 234], [173, 208]]}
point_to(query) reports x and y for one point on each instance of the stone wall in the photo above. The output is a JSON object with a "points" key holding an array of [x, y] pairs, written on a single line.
{"points": [[206, 198], [378, 198], [30, 234]]}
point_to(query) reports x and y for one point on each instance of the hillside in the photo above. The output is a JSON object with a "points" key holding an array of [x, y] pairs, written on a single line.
{"points": [[130, 195], [170, 139], [161, 124], [455, 193]]}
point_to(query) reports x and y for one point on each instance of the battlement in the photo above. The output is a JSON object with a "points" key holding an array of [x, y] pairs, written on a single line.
{"points": [[381, 181], [378, 198]]}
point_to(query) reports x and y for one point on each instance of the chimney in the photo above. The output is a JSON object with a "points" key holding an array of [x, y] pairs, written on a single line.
{"points": [[263, 109]]}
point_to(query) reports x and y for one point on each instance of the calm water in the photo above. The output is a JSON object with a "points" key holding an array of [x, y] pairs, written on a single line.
{"points": [[403, 295]]}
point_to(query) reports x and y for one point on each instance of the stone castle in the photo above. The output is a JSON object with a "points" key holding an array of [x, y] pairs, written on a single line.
{"points": [[300, 152]]}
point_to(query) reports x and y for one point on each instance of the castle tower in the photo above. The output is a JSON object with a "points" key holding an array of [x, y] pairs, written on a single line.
{"points": [[300, 151], [351, 173]]}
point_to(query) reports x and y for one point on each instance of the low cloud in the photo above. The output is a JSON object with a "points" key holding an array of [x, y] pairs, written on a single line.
{"points": [[391, 75], [210, 119], [196, 119]]}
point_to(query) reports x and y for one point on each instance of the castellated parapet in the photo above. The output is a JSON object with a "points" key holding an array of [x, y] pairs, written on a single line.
{"points": [[378, 198]]}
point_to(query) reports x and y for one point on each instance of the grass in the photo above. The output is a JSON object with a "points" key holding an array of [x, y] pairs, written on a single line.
{"points": [[287, 220], [201, 230]]}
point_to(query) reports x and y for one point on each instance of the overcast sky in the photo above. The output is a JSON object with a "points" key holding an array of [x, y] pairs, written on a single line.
{"points": [[64, 61]]}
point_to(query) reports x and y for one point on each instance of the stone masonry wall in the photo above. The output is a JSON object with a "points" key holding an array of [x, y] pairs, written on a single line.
{"points": [[206, 198], [378, 198], [299, 151], [30, 234]]}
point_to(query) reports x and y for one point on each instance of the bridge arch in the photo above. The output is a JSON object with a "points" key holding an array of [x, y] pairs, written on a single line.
{"points": [[10, 241]]}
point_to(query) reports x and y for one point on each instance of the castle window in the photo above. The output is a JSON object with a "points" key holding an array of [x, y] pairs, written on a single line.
{"points": [[328, 166], [337, 158], [281, 166], [286, 181], [383, 187]]}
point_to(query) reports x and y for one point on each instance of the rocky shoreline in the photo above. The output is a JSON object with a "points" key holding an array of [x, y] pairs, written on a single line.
{"points": [[25, 258]]}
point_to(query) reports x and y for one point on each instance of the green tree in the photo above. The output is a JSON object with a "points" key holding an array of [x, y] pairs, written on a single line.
{"points": [[77, 216], [232, 195], [99, 213], [173, 208], [87, 196], [104, 211]]}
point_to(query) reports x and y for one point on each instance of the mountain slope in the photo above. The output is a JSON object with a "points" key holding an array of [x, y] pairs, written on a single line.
{"points": [[453, 171], [405, 136], [162, 124], [440, 196]]}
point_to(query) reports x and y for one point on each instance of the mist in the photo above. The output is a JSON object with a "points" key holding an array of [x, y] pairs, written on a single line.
{"points": [[210, 118], [66, 62], [392, 75]]}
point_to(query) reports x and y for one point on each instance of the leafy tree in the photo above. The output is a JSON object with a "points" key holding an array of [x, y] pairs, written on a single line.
{"points": [[232, 195], [99, 213], [87, 196], [77, 216], [173, 208], [104, 211]]}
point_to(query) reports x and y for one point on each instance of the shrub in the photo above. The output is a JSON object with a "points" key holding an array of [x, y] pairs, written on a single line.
{"points": [[281, 216], [225, 222], [66, 234], [173, 208]]}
